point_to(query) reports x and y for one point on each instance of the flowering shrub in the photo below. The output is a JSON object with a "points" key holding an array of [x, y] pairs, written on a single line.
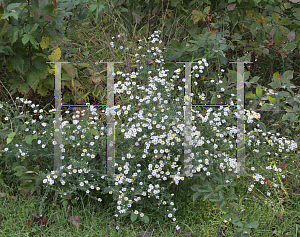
{"points": [[149, 157]]}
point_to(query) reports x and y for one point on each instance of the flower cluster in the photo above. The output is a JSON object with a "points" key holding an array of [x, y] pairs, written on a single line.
{"points": [[151, 158]]}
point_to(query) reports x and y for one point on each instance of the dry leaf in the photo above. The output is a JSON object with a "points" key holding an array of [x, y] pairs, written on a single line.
{"points": [[291, 35], [39, 220], [280, 217], [151, 61], [28, 223], [68, 208], [285, 165], [231, 7], [3, 194], [74, 220]]}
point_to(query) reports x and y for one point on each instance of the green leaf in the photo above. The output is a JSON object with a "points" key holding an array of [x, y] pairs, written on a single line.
{"points": [[285, 31], [8, 14], [175, 45], [26, 38], [133, 217], [13, 6], [195, 187], [253, 224], [284, 21], [207, 196], [287, 75], [259, 91], [250, 95], [93, 7], [276, 36], [254, 79], [275, 17], [271, 99], [24, 88], [206, 10], [15, 34], [238, 223], [10, 137], [145, 219], [33, 80], [34, 28], [29, 138], [195, 196], [17, 63]]}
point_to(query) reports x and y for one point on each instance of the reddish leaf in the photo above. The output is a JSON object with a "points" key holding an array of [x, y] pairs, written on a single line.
{"points": [[48, 18], [28, 223], [285, 165], [74, 220], [278, 77], [39, 220]]}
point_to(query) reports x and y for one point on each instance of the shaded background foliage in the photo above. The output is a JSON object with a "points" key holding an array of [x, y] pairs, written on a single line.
{"points": [[265, 32]]}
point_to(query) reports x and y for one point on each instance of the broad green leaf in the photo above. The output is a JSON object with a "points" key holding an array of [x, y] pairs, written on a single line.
{"points": [[253, 224], [284, 21], [207, 196], [10, 137], [254, 79], [145, 219], [93, 7], [13, 6], [15, 34], [33, 80], [195, 187], [17, 63], [24, 88], [206, 10], [271, 99], [195, 196], [250, 95], [8, 14], [276, 36], [275, 17], [175, 45], [25, 38], [285, 31], [287, 75], [238, 223], [276, 75], [34, 28], [284, 93], [34, 43], [133, 217], [259, 91]]}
